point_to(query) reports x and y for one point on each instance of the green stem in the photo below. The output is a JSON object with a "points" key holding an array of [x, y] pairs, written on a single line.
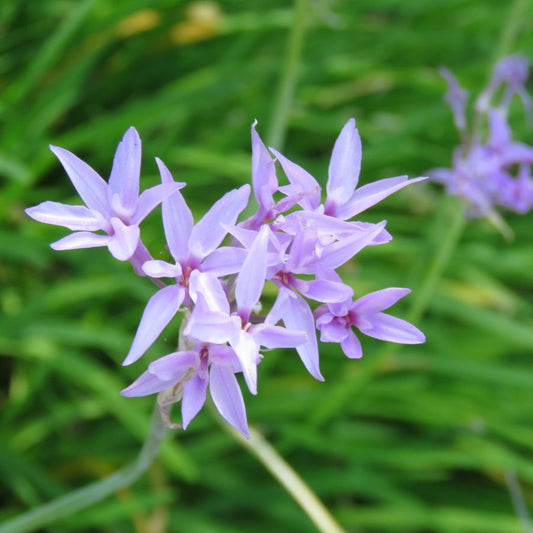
{"points": [[284, 97], [267, 455], [518, 501], [437, 266], [95, 492], [510, 30]]}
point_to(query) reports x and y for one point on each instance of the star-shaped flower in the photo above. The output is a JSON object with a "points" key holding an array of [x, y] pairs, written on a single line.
{"points": [[115, 208]]}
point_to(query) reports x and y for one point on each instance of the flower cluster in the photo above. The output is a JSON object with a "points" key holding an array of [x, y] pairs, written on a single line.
{"points": [[296, 240], [490, 170]]}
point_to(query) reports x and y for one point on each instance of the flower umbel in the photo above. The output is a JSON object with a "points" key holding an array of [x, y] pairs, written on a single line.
{"points": [[297, 243]]}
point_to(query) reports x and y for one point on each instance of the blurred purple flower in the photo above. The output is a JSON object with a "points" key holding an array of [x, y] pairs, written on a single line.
{"points": [[484, 172]]}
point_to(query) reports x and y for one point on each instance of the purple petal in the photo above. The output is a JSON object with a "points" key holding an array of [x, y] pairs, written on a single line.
{"points": [[161, 269], [124, 178], [379, 300], [193, 398], [332, 329], [146, 383], [209, 232], [227, 397], [499, 130], [389, 328], [211, 326], [221, 354], [247, 351], [90, 186], [351, 346], [301, 181], [81, 239], [456, 98], [264, 180], [224, 261], [73, 217], [174, 366], [159, 311], [206, 284], [323, 290], [152, 197], [297, 316], [345, 164], [177, 218], [371, 194], [277, 337], [342, 251], [124, 241], [251, 279]]}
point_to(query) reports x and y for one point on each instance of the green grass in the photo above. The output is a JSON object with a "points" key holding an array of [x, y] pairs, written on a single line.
{"points": [[415, 439]]}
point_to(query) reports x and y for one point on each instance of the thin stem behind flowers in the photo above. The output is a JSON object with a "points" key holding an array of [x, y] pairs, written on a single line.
{"points": [[287, 83], [268, 456], [80, 499]]}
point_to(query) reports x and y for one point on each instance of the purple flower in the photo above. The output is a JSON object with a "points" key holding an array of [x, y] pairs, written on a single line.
{"points": [[343, 199], [193, 247], [116, 208], [213, 321], [484, 171], [190, 373], [336, 320]]}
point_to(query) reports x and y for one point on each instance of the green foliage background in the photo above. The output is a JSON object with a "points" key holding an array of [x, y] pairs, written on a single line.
{"points": [[414, 439]]}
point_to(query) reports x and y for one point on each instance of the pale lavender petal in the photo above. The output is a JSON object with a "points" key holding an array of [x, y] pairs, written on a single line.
{"points": [[90, 186], [161, 269], [379, 300], [342, 251], [351, 346], [389, 328], [302, 251], [159, 311], [210, 326], [81, 239], [264, 180], [224, 261], [193, 399], [323, 290], [251, 279], [345, 164], [227, 397], [73, 217], [124, 240], [206, 284], [247, 351], [146, 383], [174, 366], [222, 354], [126, 170], [332, 329], [177, 218], [297, 316], [277, 337], [301, 181], [209, 232], [152, 197], [372, 193]]}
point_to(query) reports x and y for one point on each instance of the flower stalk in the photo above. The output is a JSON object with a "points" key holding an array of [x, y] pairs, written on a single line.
{"points": [[84, 497]]}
